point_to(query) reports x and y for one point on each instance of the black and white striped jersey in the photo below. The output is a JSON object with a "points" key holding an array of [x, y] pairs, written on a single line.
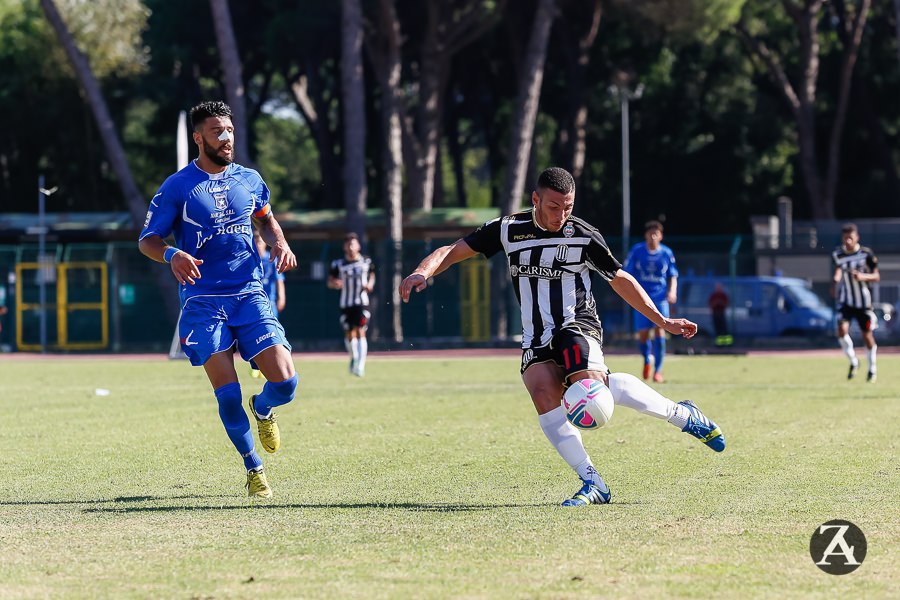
{"points": [[550, 270], [354, 275], [852, 293]]}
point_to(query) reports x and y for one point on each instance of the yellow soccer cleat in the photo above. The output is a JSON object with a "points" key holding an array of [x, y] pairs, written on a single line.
{"points": [[257, 486], [269, 437]]}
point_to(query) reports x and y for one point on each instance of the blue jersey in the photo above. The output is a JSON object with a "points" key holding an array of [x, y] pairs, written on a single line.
{"points": [[210, 218], [652, 269], [270, 279]]}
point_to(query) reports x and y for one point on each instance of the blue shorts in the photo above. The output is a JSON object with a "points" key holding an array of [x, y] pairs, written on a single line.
{"points": [[211, 324], [642, 322]]}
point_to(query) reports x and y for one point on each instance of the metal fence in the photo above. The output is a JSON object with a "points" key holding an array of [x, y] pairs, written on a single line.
{"points": [[456, 309]]}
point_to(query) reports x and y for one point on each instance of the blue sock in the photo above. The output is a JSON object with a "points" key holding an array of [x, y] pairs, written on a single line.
{"points": [[644, 347], [659, 352], [237, 426], [275, 394]]}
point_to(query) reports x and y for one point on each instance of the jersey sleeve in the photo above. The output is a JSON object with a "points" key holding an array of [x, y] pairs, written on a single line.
{"points": [[673, 267], [871, 260], [629, 261], [486, 239], [162, 212], [600, 258]]}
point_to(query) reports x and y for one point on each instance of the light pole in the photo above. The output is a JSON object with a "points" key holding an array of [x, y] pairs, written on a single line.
{"points": [[621, 91], [42, 271]]}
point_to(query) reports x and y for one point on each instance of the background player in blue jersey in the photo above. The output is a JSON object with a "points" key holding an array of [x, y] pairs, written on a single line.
{"points": [[273, 284], [211, 207], [652, 263]]}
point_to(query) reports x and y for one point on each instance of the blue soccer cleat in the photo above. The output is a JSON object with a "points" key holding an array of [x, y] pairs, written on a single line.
{"points": [[590, 493], [702, 428]]}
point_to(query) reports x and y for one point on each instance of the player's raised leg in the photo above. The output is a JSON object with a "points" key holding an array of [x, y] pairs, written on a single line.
{"points": [[543, 381], [628, 390], [277, 366]]}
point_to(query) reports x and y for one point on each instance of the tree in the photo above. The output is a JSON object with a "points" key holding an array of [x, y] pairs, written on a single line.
{"points": [[234, 82], [530, 79], [801, 95], [578, 38], [115, 152], [354, 116], [385, 52], [449, 27]]}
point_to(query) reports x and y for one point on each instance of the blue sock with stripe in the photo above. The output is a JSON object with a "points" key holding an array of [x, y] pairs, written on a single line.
{"points": [[644, 347], [659, 351], [275, 394], [236, 423]]}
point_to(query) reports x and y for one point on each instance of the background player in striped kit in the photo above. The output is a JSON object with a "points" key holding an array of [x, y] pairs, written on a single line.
{"points": [[855, 269], [354, 276], [550, 256]]}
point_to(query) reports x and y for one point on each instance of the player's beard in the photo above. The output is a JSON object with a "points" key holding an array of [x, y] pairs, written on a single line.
{"points": [[213, 154]]}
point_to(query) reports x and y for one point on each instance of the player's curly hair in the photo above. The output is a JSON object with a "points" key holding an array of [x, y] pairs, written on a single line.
{"points": [[556, 179], [205, 110]]}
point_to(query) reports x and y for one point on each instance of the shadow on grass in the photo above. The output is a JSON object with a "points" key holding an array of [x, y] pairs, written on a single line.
{"points": [[263, 504], [119, 499]]}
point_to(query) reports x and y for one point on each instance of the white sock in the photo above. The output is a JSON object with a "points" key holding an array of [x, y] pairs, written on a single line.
{"points": [[354, 350], [348, 347], [870, 355], [847, 346], [628, 390], [363, 351], [567, 441]]}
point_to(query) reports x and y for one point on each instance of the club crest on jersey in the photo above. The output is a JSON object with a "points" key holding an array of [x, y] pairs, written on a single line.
{"points": [[569, 230], [527, 356], [221, 201]]}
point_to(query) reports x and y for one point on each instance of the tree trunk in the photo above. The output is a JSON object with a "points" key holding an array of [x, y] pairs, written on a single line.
{"points": [[389, 75], [302, 87], [353, 94], [137, 205], [528, 98], [235, 93], [578, 51], [851, 52], [520, 142]]}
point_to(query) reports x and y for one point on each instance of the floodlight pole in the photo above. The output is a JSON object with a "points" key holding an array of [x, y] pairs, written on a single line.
{"points": [[42, 234], [625, 95]]}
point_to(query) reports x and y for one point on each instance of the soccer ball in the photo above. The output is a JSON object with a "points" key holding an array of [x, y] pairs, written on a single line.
{"points": [[588, 404]]}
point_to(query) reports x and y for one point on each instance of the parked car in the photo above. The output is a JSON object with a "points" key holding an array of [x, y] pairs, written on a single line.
{"points": [[758, 306]]}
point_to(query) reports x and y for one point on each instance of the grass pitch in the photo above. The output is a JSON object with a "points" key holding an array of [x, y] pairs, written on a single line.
{"points": [[431, 479]]}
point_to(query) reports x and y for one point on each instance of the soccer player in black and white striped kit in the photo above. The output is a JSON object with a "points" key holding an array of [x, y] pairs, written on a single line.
{"points": [[855, 269], [354, 276], [551, 255]]}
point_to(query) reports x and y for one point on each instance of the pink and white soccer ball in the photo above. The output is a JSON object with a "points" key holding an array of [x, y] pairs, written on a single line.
{"points": [[588, 404]]}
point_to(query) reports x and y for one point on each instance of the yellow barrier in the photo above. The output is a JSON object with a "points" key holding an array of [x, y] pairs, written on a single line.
{"points": [[63, 307], [475, 299]]}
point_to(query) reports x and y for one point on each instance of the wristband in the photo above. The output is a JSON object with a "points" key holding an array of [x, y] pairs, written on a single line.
{"points": [[169, 253]]}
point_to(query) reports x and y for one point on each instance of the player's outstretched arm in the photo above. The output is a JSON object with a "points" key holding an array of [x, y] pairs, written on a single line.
{"points": [[185, 267], [631, 291], [281, 253], [437, 262]]}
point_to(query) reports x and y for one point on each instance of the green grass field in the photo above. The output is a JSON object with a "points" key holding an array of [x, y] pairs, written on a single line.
{"points": [[431, 479]]}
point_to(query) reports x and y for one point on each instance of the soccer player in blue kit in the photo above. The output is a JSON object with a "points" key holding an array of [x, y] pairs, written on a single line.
{"points": [[211, 206], [652, 263]]}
